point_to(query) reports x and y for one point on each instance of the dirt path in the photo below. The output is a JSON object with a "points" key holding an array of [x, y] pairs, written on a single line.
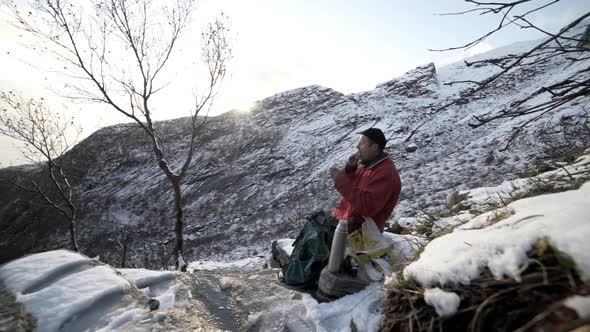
{"points": [[221, 306], [238, 300]]}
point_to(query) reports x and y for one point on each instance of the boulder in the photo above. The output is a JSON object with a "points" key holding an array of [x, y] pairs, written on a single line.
{"points": [[412, 147]]}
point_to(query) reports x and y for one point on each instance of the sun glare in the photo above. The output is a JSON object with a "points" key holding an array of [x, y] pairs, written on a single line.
{"points": [[245, 108]]}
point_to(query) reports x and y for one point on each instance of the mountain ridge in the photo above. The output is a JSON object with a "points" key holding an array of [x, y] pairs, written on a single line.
{"points": [[256, 175]]}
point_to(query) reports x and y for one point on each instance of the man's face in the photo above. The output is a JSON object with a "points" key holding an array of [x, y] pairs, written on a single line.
{"points": [[367, 149]]}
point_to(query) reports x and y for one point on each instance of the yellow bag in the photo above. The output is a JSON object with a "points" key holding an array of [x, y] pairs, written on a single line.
{"points": [[372, 251]]}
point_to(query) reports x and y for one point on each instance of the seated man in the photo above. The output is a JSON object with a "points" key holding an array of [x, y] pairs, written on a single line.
{"points": [[371, 189]]}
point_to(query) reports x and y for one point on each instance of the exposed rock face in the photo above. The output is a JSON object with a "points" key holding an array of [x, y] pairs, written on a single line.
{"points": [[304, 101], [255, 175], [418, 82]]}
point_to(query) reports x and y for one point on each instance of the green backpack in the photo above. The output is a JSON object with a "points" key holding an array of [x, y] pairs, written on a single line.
{"points": [[311, 251]]}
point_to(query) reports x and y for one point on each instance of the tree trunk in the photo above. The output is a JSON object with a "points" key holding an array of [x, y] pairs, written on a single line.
{"points": [[73, 235], [124, 255], [145, 256], [179, 222]]}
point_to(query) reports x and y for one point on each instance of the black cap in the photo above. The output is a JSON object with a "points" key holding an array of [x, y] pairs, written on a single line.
{"points": [[375, 135]]}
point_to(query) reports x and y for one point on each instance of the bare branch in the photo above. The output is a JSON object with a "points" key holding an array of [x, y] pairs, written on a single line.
{"points": [[494, 8], [557, 45], [45, 135], [121, 48]]}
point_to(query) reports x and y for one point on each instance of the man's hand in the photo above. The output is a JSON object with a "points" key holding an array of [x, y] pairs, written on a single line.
{"points": [[334, 172], [353, 160]]}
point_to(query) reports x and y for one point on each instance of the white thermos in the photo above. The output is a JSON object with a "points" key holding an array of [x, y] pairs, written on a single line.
{"points": [[337, 251]]}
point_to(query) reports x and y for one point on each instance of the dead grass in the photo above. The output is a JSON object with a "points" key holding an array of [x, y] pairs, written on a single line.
{"points": [[500, 215], [488, 304]]}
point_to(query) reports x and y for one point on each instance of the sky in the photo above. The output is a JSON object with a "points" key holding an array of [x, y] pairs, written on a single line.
{"points": [[349, 46]]}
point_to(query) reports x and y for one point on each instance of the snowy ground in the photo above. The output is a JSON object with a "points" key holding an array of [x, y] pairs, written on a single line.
{"points": [[66, 291], [251, 263], [461, 256], [500, 238]]}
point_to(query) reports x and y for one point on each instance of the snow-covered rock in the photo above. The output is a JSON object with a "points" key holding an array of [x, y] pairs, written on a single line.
{"points": [[66, 291], [412, 147], [421, 81]]}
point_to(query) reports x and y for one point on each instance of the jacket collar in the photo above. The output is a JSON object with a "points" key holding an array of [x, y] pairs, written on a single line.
{"points": [[375, 161]]}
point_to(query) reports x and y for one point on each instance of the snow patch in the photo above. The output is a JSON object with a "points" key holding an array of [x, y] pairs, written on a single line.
{"points": [[507, 190], [159, 285], [405, 246], [20, 275], [445, 303], [250, 263], [406, 222], [461, 256], [225, 283], [364, 308], [124, 318], [67, 291], [71, 296]]}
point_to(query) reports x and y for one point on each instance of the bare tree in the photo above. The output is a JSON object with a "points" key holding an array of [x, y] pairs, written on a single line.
{"points": [[571, 43], [116, 51], [123, 236], [45, 135]]}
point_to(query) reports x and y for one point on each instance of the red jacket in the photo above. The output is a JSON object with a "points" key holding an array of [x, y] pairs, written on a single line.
{"points": [[371, 190]]}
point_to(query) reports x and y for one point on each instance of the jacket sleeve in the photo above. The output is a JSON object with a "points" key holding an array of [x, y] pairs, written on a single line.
{"points": [[370, 201]]}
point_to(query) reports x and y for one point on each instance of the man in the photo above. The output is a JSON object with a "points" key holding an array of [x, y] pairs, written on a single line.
{"points": [[371, 189]]}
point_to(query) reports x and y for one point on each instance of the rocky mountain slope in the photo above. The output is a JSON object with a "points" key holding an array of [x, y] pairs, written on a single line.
{"points": [[257, 174], [494, 247]]}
